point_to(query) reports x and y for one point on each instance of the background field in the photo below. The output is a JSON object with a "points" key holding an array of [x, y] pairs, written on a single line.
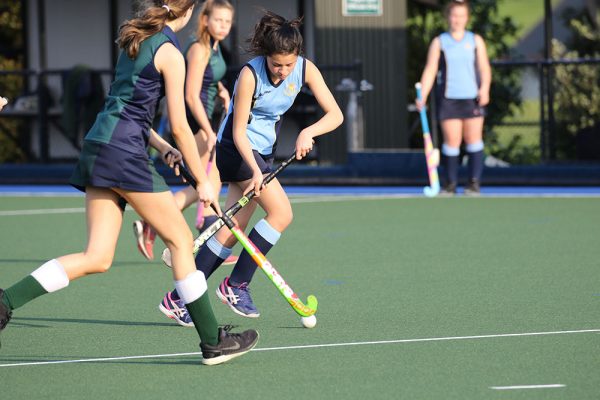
{"points": [[419, 299]]}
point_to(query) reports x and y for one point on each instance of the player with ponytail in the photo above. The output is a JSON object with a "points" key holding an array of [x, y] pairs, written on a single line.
{"points": [[114, 169], [265, 89]]}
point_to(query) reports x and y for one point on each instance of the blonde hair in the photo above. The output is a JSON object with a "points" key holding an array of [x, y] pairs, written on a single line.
{"points": [[150, 21], [202, 34]]}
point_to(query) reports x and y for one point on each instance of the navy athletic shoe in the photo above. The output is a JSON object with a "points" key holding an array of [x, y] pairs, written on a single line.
{"points": [[5, 313], [473, 188], [448, 191], [175, 309], [237, 298], [231, 345]]}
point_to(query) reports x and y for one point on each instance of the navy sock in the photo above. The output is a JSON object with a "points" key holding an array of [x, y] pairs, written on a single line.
{"points": [[245, 267], [210, 256], [208, 221], [451, 166], [475, 165]]}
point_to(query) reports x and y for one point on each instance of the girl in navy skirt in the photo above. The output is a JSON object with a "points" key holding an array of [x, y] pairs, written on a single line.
{"points": [[114, 168], [205, 67], [459, 60]]}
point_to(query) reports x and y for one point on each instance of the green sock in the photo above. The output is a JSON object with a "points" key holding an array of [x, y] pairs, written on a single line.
{"points": [[204, 319], [23, 292]]}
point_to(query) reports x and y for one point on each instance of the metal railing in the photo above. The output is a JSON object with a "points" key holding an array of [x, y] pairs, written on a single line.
{"points": [[545, 72], [38, 106], [42, 111]]}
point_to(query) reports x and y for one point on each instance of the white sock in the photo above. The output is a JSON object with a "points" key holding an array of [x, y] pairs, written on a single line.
{"points": [[192, 287], [51, 276]]}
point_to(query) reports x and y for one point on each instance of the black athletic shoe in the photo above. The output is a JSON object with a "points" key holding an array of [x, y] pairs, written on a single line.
{"points": [[473, 188], [230, 345], [448, 190], [5, 313]]}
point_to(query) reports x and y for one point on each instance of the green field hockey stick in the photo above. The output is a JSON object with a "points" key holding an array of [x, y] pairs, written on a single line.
{"points": [[304, 310], [212, 229]]}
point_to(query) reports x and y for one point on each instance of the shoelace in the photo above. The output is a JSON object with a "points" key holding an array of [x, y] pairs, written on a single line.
{"points": [[227, 329], [179, 308], [244, 293]]}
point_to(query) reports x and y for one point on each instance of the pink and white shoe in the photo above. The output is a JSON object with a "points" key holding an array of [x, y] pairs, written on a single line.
{"points": [[145, 236], [175, 309]]}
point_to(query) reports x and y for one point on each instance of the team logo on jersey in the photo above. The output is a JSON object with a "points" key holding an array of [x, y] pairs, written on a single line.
{"points": [[468, 46], [290, 89]]}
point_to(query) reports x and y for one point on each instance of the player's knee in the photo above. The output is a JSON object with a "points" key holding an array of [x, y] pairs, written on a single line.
{"points": [[288, 218], [282, 220], [182, 241], [99, 263]]}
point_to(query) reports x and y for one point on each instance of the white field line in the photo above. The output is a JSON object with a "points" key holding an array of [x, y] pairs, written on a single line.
{"points": [[15, 213], [74, 210], [305, 198], [314, 346], [551, 386]]}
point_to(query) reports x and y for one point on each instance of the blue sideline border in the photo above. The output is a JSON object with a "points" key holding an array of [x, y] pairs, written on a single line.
{"points": [[416, 191]]}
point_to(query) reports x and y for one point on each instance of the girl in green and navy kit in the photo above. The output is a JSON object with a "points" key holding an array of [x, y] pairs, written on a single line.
{"points": [[114, 168]]}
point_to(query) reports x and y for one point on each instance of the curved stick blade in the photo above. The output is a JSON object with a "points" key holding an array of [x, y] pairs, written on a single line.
{"points": [[304, 310], [431, 191]]}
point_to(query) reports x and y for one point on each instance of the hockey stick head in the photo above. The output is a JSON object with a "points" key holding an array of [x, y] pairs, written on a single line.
{"points": [[431, 191], [304, 310]]}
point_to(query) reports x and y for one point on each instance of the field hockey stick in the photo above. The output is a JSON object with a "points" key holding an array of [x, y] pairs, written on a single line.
{"points": [[200, 213], [215, 226], [304, 310], [430, 153]]}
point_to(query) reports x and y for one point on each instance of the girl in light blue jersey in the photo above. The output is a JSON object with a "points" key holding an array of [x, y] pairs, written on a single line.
{"points": [[459, 60], [264, 91]]}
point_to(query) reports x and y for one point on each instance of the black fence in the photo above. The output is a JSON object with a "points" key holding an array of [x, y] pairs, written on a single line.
{"points": [[42, 121], [555, 123], [558, 120], [567, 127], [38, 102]]}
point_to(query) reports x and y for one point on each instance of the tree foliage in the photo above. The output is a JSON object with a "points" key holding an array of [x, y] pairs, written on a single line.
{"points": [[577, 86], [11, 58]]}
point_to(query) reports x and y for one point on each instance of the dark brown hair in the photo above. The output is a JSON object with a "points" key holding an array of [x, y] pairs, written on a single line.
{"points": [[275, 35], [150, 21]]}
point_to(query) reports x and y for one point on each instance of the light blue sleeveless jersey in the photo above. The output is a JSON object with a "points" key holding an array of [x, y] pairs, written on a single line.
{"points": [[458, 73], [269, 103]]}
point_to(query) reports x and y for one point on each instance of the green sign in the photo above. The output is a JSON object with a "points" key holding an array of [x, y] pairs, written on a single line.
{"points": [[359, 8]]}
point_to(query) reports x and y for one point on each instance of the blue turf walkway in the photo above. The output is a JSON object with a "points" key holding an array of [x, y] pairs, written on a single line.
{"points": [[63, 190]]}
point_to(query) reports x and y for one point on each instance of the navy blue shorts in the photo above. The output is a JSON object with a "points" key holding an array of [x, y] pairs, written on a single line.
{"points": [[232, 166], [459, 109]]}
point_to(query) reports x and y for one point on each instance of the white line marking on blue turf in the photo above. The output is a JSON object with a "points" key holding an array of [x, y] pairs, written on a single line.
{"points": [[552, 386], [13, 213], [312, 346], [302, 199], [43, 211]]}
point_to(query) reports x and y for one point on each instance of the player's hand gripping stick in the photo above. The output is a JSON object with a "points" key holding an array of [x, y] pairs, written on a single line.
{"points": [[212, 229]]}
